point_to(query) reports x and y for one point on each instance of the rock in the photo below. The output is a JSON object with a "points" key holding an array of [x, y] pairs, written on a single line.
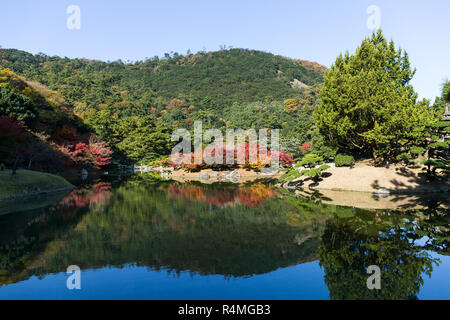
{"points": [[233, 176], [297, 84], [299, 239], [382, 191], [214, 176], [165, 175], [269, 171], [203, 176]]}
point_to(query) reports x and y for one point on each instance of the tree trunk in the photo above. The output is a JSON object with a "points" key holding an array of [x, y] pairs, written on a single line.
{"points": [[14, 168], [374, 155]]}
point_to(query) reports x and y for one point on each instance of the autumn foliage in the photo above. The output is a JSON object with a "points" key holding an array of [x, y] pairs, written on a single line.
{"points": [[250, 156], [305, 147], [253, 196]]}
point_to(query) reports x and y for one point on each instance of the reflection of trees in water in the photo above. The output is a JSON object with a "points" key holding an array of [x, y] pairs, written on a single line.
{"points": [[174, 228], [145, 225], [149, 227], [220, 196], [25, 236], [392, 241], [95, 196]]}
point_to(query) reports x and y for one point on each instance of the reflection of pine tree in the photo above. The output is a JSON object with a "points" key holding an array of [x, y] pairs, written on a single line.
{"points": [[350, 245]]}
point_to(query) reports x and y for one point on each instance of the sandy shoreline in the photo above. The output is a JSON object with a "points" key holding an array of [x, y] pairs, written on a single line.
{"points": [[401, 188], [396, 179], [361, 178]]}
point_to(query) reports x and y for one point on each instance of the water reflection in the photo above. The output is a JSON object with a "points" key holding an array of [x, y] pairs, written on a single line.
{"points": [[222, 195], [224, 230]]}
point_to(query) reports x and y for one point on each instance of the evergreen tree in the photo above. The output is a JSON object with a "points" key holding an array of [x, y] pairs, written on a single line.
{"points": [[446, 92], [15, 105], [367, 104]]}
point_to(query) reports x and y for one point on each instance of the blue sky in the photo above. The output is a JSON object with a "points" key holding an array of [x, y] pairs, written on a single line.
{"points": [[312, 30]]}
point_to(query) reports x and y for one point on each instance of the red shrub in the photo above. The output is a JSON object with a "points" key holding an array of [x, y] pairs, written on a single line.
{"points": [[79, 148], [305, 147], [100, 151]]}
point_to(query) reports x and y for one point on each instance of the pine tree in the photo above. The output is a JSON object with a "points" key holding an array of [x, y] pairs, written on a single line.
{"points": [[367, 104]]}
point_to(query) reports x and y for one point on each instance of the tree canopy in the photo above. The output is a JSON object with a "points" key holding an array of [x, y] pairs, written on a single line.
{"points": [[367, 104], [15, 105]]}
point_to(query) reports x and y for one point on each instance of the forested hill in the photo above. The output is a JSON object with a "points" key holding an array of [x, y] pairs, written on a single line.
{"points": [[135, 106], [207, 79]]}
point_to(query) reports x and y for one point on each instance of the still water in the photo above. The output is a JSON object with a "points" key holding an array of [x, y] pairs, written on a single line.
{"points": [[137, 239]]}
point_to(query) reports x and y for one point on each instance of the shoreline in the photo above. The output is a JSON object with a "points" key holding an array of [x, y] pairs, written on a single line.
{"points": [[361, 179], [30, 195], [28, 183]]}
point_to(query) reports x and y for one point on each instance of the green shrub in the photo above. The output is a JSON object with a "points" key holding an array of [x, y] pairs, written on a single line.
{"points": [[405, 156], [316, 173], [416, 150], [310, 160], [343, 160], [289, 176]]}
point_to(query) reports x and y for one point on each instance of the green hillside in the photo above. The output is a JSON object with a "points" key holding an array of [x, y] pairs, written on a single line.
{"points": [[233, 88], [39, 130], [204, 79]]}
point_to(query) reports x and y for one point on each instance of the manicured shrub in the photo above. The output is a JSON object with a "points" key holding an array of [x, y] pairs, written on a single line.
{"points": [[289, 176], [344, 160], [310, 161], [316, 173]]}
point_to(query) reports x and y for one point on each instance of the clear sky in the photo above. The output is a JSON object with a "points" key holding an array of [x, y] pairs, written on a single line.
{"points": [[316, 30]]}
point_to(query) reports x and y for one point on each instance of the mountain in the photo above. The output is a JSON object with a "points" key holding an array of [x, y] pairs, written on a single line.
{"points": [[132, 104], [206, 79]]}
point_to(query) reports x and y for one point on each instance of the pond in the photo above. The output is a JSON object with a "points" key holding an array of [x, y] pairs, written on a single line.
{"points": [[137, 239]]}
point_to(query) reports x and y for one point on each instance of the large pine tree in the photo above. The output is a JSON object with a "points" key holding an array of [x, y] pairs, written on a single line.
{"points": [[367, 104]]}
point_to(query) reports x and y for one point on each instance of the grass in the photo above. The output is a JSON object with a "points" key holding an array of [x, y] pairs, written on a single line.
{"points": [[26, 182]]}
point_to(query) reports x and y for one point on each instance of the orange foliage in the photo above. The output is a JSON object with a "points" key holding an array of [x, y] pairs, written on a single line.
{"points": [[175, 103], [249, 196], [291, 105]]}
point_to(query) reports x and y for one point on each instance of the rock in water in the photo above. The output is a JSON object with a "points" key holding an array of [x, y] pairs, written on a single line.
{"points": [[203, 176], [269, 171], [382, 191], [165, 175], [233, 176]]}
